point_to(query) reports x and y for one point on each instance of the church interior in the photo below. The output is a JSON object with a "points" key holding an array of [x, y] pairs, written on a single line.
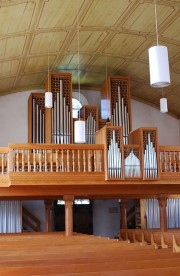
{"points": [[90, 137]]}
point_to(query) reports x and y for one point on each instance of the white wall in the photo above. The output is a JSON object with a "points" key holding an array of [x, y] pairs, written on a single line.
{"points": [[14, 118], [106, 218], [147, 116]]}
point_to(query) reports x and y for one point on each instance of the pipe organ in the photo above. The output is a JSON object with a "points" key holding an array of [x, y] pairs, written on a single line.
{"points": [[147, 139], [36, 113], [115, 103], [89, 114]]}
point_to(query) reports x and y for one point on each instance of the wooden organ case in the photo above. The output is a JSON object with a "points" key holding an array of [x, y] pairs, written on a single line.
{"points": [[115, 103], [56, 123]]}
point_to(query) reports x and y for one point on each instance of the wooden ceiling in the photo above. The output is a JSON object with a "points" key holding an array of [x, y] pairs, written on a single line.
{"points": [[121, 30]]}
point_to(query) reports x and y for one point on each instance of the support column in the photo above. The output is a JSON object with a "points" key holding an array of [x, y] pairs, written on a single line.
{"points": [[48, 210], [143, 213], [68, 214], [123, 212], [162, 200]]}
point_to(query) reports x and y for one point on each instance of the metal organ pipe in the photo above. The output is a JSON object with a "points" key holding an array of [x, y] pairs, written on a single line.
{"points": [[150, 159], [61, 119], [120, 116], [114, 158], [90, 126]]}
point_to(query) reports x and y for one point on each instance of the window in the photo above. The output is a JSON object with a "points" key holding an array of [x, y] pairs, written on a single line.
{"points": [[77, 102], [76, 106], [76, 202]]}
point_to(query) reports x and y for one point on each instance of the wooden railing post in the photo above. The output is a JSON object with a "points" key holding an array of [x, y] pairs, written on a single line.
{"points": [[48, 210], [162, 201], [123, 213], [10, 160], [68, 214]]}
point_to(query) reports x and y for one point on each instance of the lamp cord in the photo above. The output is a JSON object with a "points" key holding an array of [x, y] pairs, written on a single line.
{"points": [[79, 86], [106, 80], [48, 71], [155, 10]]}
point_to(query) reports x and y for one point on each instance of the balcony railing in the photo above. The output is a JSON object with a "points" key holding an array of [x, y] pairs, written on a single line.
{"points": [[56, 158], [85, 158]]}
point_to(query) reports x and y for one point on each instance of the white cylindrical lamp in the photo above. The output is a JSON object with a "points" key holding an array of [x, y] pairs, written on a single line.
{"points": [[48, 100], [159, 66], [79, 132], [163, 105]]}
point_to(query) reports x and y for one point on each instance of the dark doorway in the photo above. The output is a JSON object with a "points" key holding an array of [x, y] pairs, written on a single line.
{"points": [[82, 217]]}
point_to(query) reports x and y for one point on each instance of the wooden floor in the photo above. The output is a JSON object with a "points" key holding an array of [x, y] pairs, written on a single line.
{"points": [[54, 254]]}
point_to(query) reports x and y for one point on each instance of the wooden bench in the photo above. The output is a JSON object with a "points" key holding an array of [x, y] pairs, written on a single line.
{"points": [[55, 254]]}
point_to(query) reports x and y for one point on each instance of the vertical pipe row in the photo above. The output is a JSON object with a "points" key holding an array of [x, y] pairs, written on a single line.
{"points": [[61, 119], [90, 128], [114, 159], [150, 159], [38, 123], [120, 116]]}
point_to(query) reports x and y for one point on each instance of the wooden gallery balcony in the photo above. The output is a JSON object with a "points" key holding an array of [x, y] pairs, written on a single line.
{"points": [[107, 169]]}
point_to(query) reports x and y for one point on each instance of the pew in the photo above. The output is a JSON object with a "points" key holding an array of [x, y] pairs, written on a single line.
{"points": [[55, 254], [169, 239]]}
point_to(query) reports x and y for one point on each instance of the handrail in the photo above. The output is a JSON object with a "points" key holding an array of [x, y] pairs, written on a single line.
{"points": [[30, 220]]}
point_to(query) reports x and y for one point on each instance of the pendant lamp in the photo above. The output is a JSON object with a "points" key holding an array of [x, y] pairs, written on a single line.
{"points": [[79, 125], [163, 104], [48, 94], [158, 62]]}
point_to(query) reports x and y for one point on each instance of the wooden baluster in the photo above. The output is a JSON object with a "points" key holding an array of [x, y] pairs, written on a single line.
{"points": [[28, 160], [3, 161], [73, 160], [84, 160], [178, 161], [95, 161], [100, 160], [34, 160], [40, 160], [57, 163], [174, 161], [68, 164], [165, 161], [51, 161], [161, 161], [45, 160], [79, 161], [89, 161], [17, 160], [62, 158], [22, 160]]}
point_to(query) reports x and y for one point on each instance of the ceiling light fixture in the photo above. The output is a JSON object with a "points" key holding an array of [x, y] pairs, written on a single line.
{"points": [[48, 94], [163, 104], [158, 62], [79, 125]]}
